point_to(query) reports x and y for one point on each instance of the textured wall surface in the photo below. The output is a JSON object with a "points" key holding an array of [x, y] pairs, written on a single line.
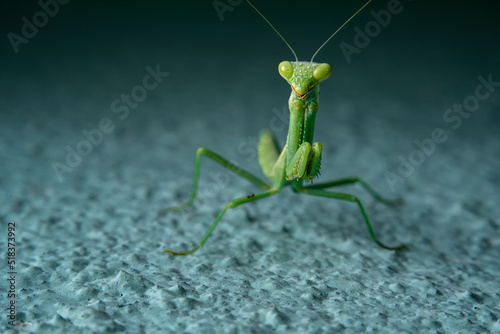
{"points": [[89, 235]]}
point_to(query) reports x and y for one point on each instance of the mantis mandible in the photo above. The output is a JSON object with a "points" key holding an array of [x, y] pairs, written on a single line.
{"points": [[300, 159]]}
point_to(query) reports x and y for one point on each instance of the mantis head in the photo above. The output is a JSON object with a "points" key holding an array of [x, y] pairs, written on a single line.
{"points": [[304, 76]]}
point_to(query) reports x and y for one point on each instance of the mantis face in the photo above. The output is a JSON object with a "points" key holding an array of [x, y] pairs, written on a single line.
{"points": [[304, 76]]}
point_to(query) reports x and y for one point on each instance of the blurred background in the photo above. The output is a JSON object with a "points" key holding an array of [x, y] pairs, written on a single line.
{"points": [[79, 57]]}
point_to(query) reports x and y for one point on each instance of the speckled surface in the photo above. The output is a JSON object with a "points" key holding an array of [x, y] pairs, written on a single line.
{"points": [[89, 245]]}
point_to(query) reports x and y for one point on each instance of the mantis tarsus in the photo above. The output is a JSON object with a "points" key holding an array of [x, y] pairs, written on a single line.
{"points": [[300, 159]]}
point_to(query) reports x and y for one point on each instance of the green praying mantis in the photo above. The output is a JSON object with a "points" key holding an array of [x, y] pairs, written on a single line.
{"points": [[300, 159]]}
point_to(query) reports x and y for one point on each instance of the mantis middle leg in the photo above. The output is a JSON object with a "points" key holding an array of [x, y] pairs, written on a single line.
{"points": [[229, 205], [353, 180], [350, 198]]}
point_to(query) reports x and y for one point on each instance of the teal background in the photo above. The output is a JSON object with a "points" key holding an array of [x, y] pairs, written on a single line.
{"points": [[89, 244]]}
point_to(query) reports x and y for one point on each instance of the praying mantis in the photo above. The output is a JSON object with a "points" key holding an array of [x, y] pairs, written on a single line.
{"points": [[300, 159]]}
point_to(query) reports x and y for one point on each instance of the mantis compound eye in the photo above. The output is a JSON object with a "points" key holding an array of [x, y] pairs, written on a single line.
{"points": [[322, 72], [285, 69]]}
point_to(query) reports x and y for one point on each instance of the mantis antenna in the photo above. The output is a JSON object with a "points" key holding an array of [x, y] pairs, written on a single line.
{"points": [[342, 26], [296, 59]]}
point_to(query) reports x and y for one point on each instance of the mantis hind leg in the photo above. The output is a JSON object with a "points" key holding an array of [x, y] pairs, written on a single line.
{"points": [[353, 180], [217, 158], [350, 198], [229, 205]]}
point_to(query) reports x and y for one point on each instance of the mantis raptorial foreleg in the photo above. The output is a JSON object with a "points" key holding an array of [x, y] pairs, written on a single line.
{"points": [[217, 158], [305, 162], [349, 198]]}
